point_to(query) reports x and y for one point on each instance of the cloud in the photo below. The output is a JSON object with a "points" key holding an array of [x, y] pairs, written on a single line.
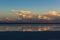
{"points": [[25, 16], [21, 12], [54, 13]]}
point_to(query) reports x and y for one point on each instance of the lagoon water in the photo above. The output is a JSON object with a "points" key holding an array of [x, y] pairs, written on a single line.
{"points": [[19, 32], [29, 27]]}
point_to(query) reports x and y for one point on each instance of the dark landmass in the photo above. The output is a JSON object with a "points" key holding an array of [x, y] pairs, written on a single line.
{"points": [[29, 22]]}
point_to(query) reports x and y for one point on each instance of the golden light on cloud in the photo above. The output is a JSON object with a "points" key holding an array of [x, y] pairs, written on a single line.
{"points": [[45, 17], [24, 16], [30, 16], [49, 18], [19, 14], [39, 17], [58, 15], [54, 13], [25, 12]]}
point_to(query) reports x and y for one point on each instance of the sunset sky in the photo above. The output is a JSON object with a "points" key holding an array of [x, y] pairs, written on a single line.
{"points": [[35, 6]]}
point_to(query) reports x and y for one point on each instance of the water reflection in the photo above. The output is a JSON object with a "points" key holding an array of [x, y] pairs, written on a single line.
{"points": [[29, 27]]}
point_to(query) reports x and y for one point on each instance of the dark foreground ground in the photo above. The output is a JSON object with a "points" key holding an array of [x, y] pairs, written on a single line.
{"points": [[47, 35]]}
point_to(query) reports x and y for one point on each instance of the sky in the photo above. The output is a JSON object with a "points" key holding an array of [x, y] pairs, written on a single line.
{"points": [[35, 6]]}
